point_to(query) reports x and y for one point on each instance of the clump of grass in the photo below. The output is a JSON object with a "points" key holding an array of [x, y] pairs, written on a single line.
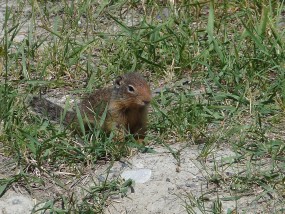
{"points": [[94, 201]]}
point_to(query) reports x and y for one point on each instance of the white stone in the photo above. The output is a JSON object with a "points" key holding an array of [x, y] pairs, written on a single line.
{"points": [[16, 204], [138, 175]]}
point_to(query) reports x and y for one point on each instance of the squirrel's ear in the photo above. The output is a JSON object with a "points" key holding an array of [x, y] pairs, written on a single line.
{"points": [[118, 81]]}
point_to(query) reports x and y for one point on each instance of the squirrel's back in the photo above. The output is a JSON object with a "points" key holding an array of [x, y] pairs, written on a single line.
{"points": [[51, 110]]}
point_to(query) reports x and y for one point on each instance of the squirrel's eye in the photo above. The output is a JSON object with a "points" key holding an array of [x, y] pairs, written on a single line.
{"points": [[131, 88]]}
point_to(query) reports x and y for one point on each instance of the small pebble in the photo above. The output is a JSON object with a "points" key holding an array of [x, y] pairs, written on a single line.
{"points": [[101, 178], [16, 201], [114, 197], [229, 173], [170, 188], [191, 185]]}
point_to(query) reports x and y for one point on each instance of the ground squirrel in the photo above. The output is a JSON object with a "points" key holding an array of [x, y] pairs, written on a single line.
{"points": [[126, 104]]}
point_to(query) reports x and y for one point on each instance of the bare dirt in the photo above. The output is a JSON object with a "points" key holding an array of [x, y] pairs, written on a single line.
{"points": [[172, 182]]}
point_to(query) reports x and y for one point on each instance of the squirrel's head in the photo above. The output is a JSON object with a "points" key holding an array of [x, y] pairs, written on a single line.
{"points": [[133, 89]]}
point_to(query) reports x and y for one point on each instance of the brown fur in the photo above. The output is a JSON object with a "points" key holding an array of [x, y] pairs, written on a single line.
{"points": [[126, 109], [126, 104]]}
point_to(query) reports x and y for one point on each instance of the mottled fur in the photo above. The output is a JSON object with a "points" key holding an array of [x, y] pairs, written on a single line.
{"points": [[126, 102]]}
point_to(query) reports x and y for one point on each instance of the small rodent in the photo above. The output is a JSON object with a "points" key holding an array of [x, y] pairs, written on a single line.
{"points": [[126, 104]]}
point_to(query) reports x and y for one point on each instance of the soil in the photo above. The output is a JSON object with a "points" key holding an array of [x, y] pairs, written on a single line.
{"points": [[172, 182]]}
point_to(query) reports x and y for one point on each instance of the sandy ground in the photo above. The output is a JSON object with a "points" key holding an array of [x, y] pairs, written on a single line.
{"points": [[166, 188], [165, 191]]}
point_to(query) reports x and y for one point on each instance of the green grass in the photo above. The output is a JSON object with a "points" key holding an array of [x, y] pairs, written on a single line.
{"points": [[230, 52]]}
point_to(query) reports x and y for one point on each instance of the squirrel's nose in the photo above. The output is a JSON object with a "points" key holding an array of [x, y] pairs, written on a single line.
{"points": [[146, 102]]}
